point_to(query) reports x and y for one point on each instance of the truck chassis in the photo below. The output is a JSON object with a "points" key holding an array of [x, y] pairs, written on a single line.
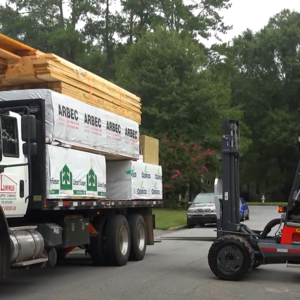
{"points": [[110, 237]]}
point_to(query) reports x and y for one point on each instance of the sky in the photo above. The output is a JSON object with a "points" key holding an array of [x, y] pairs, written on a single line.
{"points": [[253, 14]]}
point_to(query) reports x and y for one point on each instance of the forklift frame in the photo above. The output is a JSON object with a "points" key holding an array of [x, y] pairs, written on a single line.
{"points": [[237, 250]]}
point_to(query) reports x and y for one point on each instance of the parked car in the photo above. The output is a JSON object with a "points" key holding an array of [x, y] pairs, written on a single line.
{"points": [[202, 210], [244, 210]]}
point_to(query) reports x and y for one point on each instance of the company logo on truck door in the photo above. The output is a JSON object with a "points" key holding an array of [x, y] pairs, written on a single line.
{"points": [[66, 178], [91, 181], [8, 189], [145, 174]]}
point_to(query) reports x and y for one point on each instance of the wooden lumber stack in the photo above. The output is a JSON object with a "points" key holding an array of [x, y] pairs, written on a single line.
{"points": [[149, 149], [22, 67]]}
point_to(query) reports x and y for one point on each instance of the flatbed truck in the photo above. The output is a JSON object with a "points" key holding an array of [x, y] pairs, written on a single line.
{"points": [[36, 230]]}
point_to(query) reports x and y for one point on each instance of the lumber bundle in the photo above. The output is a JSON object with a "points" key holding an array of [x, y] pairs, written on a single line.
{"points": [[22, 67], [149, 149]]}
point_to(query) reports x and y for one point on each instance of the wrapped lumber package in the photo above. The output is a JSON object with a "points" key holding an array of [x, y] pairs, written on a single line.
{"points": [[149, 149], [74, 173], [131, 180], [75, 123]]}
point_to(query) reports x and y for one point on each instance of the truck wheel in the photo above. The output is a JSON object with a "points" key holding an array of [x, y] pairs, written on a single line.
{"points": [[96, 247], [231, 258], [52, 257], [117, 240], [138, 235]]}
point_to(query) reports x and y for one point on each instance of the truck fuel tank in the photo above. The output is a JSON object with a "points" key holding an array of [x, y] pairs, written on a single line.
{"points": [[26, 244]]}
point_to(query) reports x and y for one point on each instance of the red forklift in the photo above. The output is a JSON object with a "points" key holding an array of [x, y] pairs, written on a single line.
{"points": [[237, 249]]}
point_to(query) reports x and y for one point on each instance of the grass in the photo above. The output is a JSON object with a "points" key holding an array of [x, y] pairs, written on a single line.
{"points": [[167, 218], [266, 203]]}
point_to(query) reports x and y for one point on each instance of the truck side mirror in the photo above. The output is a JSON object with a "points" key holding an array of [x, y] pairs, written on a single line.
{"points": [[28, 122], [33, 149]]}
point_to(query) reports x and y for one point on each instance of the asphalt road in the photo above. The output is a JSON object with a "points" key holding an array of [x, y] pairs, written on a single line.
{"points": [[171, 270]]}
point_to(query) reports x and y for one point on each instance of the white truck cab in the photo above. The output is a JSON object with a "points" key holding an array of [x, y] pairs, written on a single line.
{"points": [[14, 188]]}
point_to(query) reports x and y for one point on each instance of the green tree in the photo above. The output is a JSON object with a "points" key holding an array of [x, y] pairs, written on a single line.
{"points": [[181, 94], [266, 84]]}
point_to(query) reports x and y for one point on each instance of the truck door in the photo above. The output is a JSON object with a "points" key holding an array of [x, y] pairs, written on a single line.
{"points": [[13, 180]]}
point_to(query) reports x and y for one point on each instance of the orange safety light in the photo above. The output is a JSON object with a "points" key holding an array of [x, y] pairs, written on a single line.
{"points": [[281, 209]]}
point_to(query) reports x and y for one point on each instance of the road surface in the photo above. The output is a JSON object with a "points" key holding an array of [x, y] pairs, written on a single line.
{"points": [[172, 270]]}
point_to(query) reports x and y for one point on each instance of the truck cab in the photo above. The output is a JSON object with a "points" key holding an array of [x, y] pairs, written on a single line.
{"points": [[14, 174]]}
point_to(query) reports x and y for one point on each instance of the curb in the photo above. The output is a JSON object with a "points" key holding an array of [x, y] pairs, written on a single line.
{"points": [[177, 228]]}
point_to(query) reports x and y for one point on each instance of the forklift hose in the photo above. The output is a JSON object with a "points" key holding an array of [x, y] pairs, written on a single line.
{"points": [[269, 227]]}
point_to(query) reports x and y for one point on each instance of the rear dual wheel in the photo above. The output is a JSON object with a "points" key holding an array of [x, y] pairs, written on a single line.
{"points": [[118, 240], [138, 234]]}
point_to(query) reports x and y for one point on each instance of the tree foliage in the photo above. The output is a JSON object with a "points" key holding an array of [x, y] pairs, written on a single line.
{"points": [[156, 49]]}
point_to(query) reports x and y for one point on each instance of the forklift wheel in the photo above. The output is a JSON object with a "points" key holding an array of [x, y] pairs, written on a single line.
{"points": [[231, 257]]}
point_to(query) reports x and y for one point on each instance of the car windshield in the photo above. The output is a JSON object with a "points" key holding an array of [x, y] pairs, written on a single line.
{"points": [[204, 198]]}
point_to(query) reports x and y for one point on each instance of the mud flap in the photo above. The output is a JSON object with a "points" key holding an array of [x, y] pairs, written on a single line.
{"points": [[4, 246]]}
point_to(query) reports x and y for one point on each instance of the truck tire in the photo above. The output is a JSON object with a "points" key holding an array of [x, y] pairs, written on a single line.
{"points": [[231, 257], [138, 235], [52, 257], [96, 247], [117, 241]]}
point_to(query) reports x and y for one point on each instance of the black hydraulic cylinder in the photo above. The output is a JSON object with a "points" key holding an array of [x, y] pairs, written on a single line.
{"points": [[230, 203]]}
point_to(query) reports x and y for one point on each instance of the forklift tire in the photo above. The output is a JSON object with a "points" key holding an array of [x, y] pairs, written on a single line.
{"points": [[117, 241], [96, 247], [138, 235], [231, 258]]}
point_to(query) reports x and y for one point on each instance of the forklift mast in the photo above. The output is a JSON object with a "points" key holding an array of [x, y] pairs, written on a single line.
{"points": [[230, 202]]}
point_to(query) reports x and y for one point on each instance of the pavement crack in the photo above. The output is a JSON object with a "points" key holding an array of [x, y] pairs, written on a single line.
{"points": [[196, 261]]}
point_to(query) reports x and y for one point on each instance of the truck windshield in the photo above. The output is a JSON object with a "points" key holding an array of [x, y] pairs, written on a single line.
{"points": [[204, 198]]}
